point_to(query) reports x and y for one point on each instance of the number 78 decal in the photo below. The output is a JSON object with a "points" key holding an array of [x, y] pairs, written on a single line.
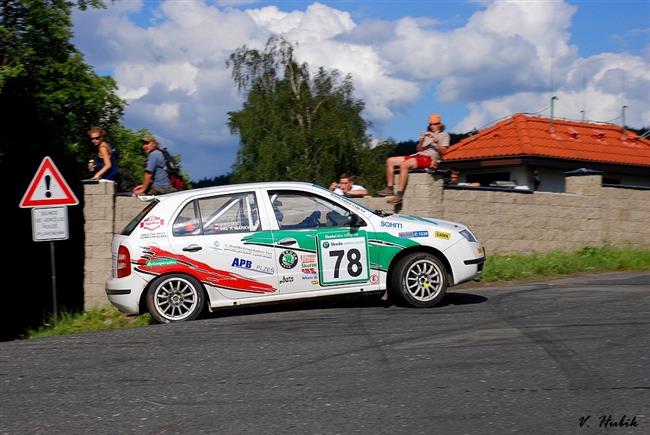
{"points": [[343, 260]]}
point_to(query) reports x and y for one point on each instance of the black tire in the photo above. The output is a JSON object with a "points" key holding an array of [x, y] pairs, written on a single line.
{"points": [[420, 279], [175, 298]]}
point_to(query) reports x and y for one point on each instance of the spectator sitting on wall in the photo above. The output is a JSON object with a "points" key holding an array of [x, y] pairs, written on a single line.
{"points": [[346, 187], [432, 145], [451, 179]]}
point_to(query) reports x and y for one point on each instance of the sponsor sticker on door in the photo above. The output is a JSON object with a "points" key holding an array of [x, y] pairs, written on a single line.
{"points": [[342, 259]]}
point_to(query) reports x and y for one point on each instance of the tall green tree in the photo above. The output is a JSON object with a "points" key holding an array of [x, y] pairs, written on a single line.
{"points": [[49, 97], [293, 126]]}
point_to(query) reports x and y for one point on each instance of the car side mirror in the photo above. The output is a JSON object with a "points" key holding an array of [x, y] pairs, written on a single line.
{"points": [[354, 220]]}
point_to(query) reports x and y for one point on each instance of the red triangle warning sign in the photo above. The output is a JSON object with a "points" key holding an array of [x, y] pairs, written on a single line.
{"points": [[48, 188]]}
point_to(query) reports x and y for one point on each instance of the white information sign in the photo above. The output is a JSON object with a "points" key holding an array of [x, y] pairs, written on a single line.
{"points": [[343, 260], [50, 223]]}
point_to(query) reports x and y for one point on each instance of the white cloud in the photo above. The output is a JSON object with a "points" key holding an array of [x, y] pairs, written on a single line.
{"points": [[508, 57], [599, 85]]}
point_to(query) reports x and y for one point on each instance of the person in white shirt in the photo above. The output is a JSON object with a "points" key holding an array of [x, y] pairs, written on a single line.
{"points": [[345, 187]]}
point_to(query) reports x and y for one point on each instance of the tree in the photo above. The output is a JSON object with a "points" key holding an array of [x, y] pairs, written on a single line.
{"points": [[49, 98], [293, 126]]}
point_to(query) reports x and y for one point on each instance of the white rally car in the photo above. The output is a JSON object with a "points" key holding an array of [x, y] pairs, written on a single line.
{"points": [[263, 242]]}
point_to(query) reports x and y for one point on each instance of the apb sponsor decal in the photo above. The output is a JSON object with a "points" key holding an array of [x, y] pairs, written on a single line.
{"points": [[443, 235], [152, 223], [413, 234], [160, 262], [386, 224], [242, 263], [288, 259]]}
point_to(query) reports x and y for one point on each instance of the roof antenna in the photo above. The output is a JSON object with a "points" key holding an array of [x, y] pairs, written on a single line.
{"points": [[582, 113], [623, 116], [553, 98]]}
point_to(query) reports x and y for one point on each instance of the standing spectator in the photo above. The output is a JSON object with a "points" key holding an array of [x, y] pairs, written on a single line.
{"points": [[432, 145], [346, 187], [106, 161], [537, 180], [156, 180]]}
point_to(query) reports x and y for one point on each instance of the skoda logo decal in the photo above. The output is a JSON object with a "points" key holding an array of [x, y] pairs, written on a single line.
{"points": [[288, 259]]}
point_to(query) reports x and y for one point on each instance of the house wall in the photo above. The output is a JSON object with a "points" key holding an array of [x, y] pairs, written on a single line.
{"points": [[587, 214]]}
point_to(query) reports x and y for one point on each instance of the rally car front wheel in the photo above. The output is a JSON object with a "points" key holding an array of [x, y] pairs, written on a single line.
{"points": [[421, 279], [175, 298]]}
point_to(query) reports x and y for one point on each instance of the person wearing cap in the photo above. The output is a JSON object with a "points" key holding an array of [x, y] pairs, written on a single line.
{"points": [[156, 180], [432, 145]]}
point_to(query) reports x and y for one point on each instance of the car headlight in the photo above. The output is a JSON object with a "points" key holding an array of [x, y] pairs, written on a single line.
{"points": [[468, 235]]}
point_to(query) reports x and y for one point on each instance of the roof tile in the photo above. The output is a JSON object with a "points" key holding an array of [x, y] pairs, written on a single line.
{"points": [[526, 135]]}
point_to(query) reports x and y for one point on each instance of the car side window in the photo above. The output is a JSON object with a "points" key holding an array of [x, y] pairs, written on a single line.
{"points": [[295, 210], [232, 213], [187, 222]]}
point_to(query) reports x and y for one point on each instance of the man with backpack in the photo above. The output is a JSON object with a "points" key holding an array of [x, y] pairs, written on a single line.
{"points": [[156, 178]]}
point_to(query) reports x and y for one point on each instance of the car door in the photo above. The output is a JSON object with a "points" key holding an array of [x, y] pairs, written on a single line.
{"points": [[210, 233], [315, 244]]}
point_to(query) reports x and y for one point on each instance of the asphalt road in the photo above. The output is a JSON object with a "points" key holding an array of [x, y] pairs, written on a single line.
{"points": [[566, 356]]}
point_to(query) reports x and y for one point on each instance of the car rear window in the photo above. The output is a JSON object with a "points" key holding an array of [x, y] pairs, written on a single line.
{"points": [[136, 220]]}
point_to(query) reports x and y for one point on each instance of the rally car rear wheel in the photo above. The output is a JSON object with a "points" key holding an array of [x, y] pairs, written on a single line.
{"points": [[175, 298], [421, 279]]}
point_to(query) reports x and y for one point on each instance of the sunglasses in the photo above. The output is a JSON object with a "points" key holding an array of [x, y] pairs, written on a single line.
{"points": [[95, 137]]}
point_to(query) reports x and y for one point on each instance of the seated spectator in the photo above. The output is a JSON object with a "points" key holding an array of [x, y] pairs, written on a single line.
{"points": [[432, 145], [452, 179], [346, 187]]}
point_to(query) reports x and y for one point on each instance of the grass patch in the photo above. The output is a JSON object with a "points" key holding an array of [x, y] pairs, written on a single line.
{"points": [[555, 263], [88, 321]]}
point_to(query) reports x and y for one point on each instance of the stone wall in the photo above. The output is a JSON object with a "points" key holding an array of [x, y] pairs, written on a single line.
{"points": [[99, 212], [588, 214]]}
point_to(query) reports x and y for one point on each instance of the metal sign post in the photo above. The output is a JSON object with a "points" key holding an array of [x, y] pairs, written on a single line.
{"points": [[55, 308], [50, 224]]}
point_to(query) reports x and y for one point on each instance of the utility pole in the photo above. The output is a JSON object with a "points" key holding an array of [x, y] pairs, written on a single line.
{"points": [[553, 98]]}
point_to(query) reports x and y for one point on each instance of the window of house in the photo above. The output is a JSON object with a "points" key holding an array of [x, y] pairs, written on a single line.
{"points": [[487, 179]]}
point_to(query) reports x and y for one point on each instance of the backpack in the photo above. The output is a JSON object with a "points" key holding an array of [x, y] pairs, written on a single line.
{"points": [[173, 170]]}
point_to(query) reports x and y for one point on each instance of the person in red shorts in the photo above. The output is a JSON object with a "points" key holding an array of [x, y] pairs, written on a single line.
{"points": [[430, 148]]}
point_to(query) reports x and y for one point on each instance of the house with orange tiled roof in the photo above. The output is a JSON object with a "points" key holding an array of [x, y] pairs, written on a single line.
{"points": [[512, 149]]}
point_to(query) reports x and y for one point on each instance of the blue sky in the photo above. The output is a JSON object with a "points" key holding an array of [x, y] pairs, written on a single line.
{"points": [[474, 62]]}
